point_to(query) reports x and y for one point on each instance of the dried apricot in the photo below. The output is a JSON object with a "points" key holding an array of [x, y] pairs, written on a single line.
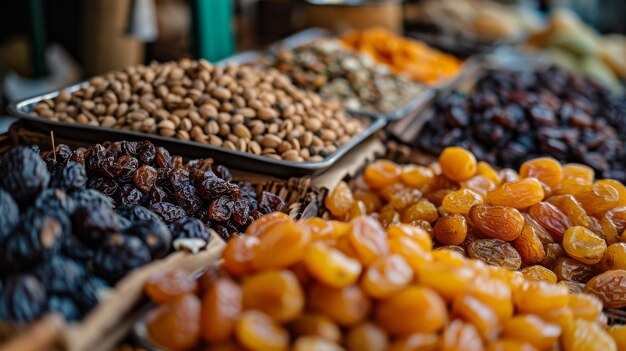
{"points": [[539, 273], [386, 276], [600, 198], [257, 331], [366, 337], [176, 326], [498, 222], [412, 310], [346, 306], [310, 324], [529, 245], [339, 200], [238, 254], [461, 201], [460, 336], [381, 173], [261, 225], [166, 287], [368, 239], [451, 229], [609, 287], [578, 171], [570, 269], [330, 266], [281, 246], [221, 307], [614, 257], [585, 335], [533, 330], [480, 315], [495, 252], [518, 194], [417, 176], [422, 210], [551, 219], [414, 254], [283, 302], [582, 244], [457, 163], [546, 169]]}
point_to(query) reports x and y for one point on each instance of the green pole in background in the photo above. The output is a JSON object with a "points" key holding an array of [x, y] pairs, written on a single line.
{"points": [[212, 29], [38, 38]]}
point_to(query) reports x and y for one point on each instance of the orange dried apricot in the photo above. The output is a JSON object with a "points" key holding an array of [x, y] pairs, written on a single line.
{"points": [[480, 315], [457, 163], [533, 330], [417, 234], [382, 172], [281, 246], [257, 331], [221, 307], [339, 200], [312, 324], [546, 169], [398, 314], [551, 219], [498, 222], [261, 225], [583, 245], [386, 276], [450, 229], [585, 335], [567, 268], [461, 201], [330, 266], [578, 171], [238, 254], [345, 306], [176, 326], [165, 287], [539, 273], [283, 302], [600, 198], [417, 176], [368, 239], [529, 245], [422, 210], [414, 254], [519, 194], [614, 257], [366, 337]]}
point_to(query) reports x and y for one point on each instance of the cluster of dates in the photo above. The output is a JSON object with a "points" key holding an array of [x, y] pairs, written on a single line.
{"points": [[552, 221], [515, 116], [327, 285]]}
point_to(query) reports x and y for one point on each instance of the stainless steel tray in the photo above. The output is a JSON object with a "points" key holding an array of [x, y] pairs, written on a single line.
{"points": [[234, 159]]}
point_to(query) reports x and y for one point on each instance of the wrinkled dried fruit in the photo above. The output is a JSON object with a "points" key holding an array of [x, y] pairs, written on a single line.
{"points": [[451, 229], [381, 173], [609, 287], [551, 219], [339, 200], [283, 302], [498, 222], [546, 169], [221, 308], [495, 252], [176, 326], [583, 245], [457, 163], [461, 201], [519, 194], [394, 314]]}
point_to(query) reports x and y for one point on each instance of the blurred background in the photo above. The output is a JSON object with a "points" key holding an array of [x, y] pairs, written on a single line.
{"points": [[47, 44]]}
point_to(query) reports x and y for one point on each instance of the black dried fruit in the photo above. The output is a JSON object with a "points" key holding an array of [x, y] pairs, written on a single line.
{"points": [[146, 152], [128, 195], [36, 238], [269, 202], [10, 214], [241, 211], [124, 223], [187, 197], [90, 198], [135, 213], [179, 178], [154, 234], [221, 209], [119, 255], [93, 225], [60, 275], [168, 211], [163, 158], [65, 306], [221, 231], [54, 198], [23, 174], [23, 299], [91, 292], [187, 228], [121, 168], [145, 178], [158, 195], [96, 160], [104, 185], [72, 247], [223, 172], [57, 158], [70, 177], [214, 187], [79, 155]]}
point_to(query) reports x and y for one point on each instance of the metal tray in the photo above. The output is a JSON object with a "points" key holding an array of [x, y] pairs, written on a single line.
{"points": [[231, 158]]}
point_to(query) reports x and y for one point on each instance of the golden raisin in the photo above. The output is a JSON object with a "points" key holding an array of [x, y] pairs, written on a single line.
{"points": [[585, 306], [414, 254], [537, 296], [570, 269], [618, 333], [221, 307], [238, 254], [366, 337], [321, 229], [600, 198], [539, 273], [481, 316], [457, 163], [617, 216], [400, 196], [451, 229], [257, 331], [357, 209], [519, 194], [176, 326], [417, 176], [447, 280], [345, 306], [330, 266], [572, 187], [533, 330], [310, 324], [417, 234], [571, 208], [574, 287], [368, 239], [585, 335], [546, 169], [529, 245], [494, 293], [578, 171], [498, 222], [621, 189], [507, 175], [582, 244], [412, 310], [436, 197], [551, 219], [460, 336], [415, 342], [388, 216], [609, 287], [166, 287], [540, 231], [553, 252], [509, 345], [281, 246], [478, 184], [461, 201], [484, 169], [283, 302], [495, 252], [370, 200], [386, 276], [381, 173], [339, 200], [422, 210], [614, 257], [313, 343]]}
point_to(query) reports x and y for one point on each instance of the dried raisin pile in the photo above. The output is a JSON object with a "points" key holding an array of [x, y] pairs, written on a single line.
{"points": [[547, 215], [316, 284], [511, 117]]}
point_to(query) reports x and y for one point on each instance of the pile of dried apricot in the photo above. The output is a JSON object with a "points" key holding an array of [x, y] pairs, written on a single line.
{"points": [[329, 285], [552, 221]]}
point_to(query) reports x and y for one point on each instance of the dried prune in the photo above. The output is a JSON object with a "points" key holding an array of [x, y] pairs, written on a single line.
{"points": [[65, 306], [223, 172], [128, 195], [495, 252], [214, 187], [91, 291], [168, 212], [57, 158], [69, 178], [119, 255], [145, 178], [146, 152], [35, 238], [60, 275], [95, 160], [122, 168], [241, 211], [269, 202], [23, 174], [179, 178], [163, 158], [10, 214], [89, 198], [94, 224], [154, 234], [104, 185], [54, 199], [158, 195], [187, 197], [23, 299], [221, 209], [190, 232], [72, 247], [129, 147], [135, 213]]}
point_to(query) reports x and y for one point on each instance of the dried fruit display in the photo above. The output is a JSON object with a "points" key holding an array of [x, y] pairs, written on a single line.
{"points": [[352, 287], [69, 243], [511, 117], [528, 220], [253, 110]]}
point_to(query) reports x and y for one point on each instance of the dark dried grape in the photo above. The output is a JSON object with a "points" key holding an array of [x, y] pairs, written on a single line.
{"points": [[146, 152], [96, 160], [35, 238], [168, 212], [93, 225], [154, 234], [54, 198], [255, 214], [221, 209], [223, 172], [190, 228], [124, 223], [221, 231], [145, 178], [23, 299], [104, 185], [129, 147], [122, 168], [79, 155], [187, 198], [119, 255], [57, 158], [128, 195], [72, 247], [179, 178], [163, 158], [10, 214], [214, 187], [70, 177], [60, 275], [135, 213], [241, 210], [90, 198], [23, 174], [200, 165], [91, 291], [158, 195], [65, 306], [269, 202]]}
